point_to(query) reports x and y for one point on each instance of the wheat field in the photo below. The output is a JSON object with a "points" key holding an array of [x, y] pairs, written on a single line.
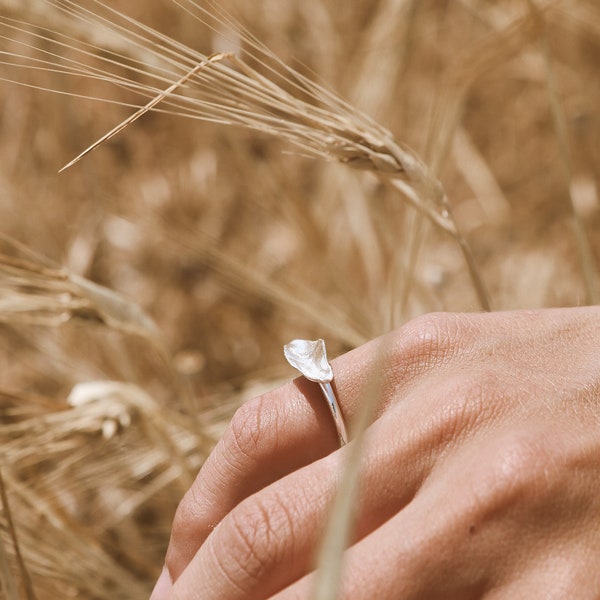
{"points": [[308, 168]]}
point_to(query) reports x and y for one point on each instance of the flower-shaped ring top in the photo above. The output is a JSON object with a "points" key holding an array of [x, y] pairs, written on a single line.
{"points": [[310, 358]]}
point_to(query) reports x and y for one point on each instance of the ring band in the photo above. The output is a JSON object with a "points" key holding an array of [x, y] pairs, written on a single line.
{"points": [[310, 358]]}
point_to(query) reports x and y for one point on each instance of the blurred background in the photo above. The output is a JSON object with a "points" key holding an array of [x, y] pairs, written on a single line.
{"points": [[220, 244]]}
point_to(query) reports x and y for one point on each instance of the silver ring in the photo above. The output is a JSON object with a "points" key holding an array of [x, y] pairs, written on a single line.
{"points": [[310, 358]]}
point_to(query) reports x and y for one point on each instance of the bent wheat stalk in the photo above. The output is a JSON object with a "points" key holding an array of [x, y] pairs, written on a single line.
{"points": [[142, 111], [226, 88]]}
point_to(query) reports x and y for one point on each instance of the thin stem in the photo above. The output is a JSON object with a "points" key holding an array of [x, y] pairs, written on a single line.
{"points": [[26, 579]]}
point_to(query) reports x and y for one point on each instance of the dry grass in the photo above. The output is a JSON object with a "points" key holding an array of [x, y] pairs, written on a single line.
{"points": [[214, 239]]}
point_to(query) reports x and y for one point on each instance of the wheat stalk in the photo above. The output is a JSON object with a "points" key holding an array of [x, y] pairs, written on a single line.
{"points": [[25, 579], [123, 452], [225, 88]]}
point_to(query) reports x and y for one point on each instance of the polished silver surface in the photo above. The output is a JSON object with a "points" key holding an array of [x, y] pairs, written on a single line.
{"points": [[310, 358]]}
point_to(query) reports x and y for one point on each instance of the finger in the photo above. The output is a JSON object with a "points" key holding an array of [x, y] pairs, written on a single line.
{"points": [[269, 539], [269, 437], [406, 557], [289, 428], [263, 443], [260, 545], [400, 560], [484, 521]]}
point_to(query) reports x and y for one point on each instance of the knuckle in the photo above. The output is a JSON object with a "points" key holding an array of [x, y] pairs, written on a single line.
{"points": [[518, 475], [521, 471], [467, 400], [437, 327], [523, 461], [251, 541], [430, 339], [249, 431]]}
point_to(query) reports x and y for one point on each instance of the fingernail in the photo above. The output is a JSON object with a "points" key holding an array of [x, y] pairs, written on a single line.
{"points": [[163, 586]]}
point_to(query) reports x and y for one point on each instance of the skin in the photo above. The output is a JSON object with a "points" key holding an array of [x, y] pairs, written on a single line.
{"points": [[480, 475]]}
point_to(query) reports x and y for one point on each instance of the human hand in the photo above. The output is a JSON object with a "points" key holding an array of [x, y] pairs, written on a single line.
{"points": [[480, 476]]}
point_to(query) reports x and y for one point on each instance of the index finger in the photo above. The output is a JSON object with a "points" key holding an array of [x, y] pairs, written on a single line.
{"points": [[268, 437], [291, 427]]}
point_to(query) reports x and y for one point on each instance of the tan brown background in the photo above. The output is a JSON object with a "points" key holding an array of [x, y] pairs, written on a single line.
{"points": [[233, 242]]}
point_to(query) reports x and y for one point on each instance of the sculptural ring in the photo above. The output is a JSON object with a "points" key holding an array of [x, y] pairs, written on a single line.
{"points": [[310, 358]]}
